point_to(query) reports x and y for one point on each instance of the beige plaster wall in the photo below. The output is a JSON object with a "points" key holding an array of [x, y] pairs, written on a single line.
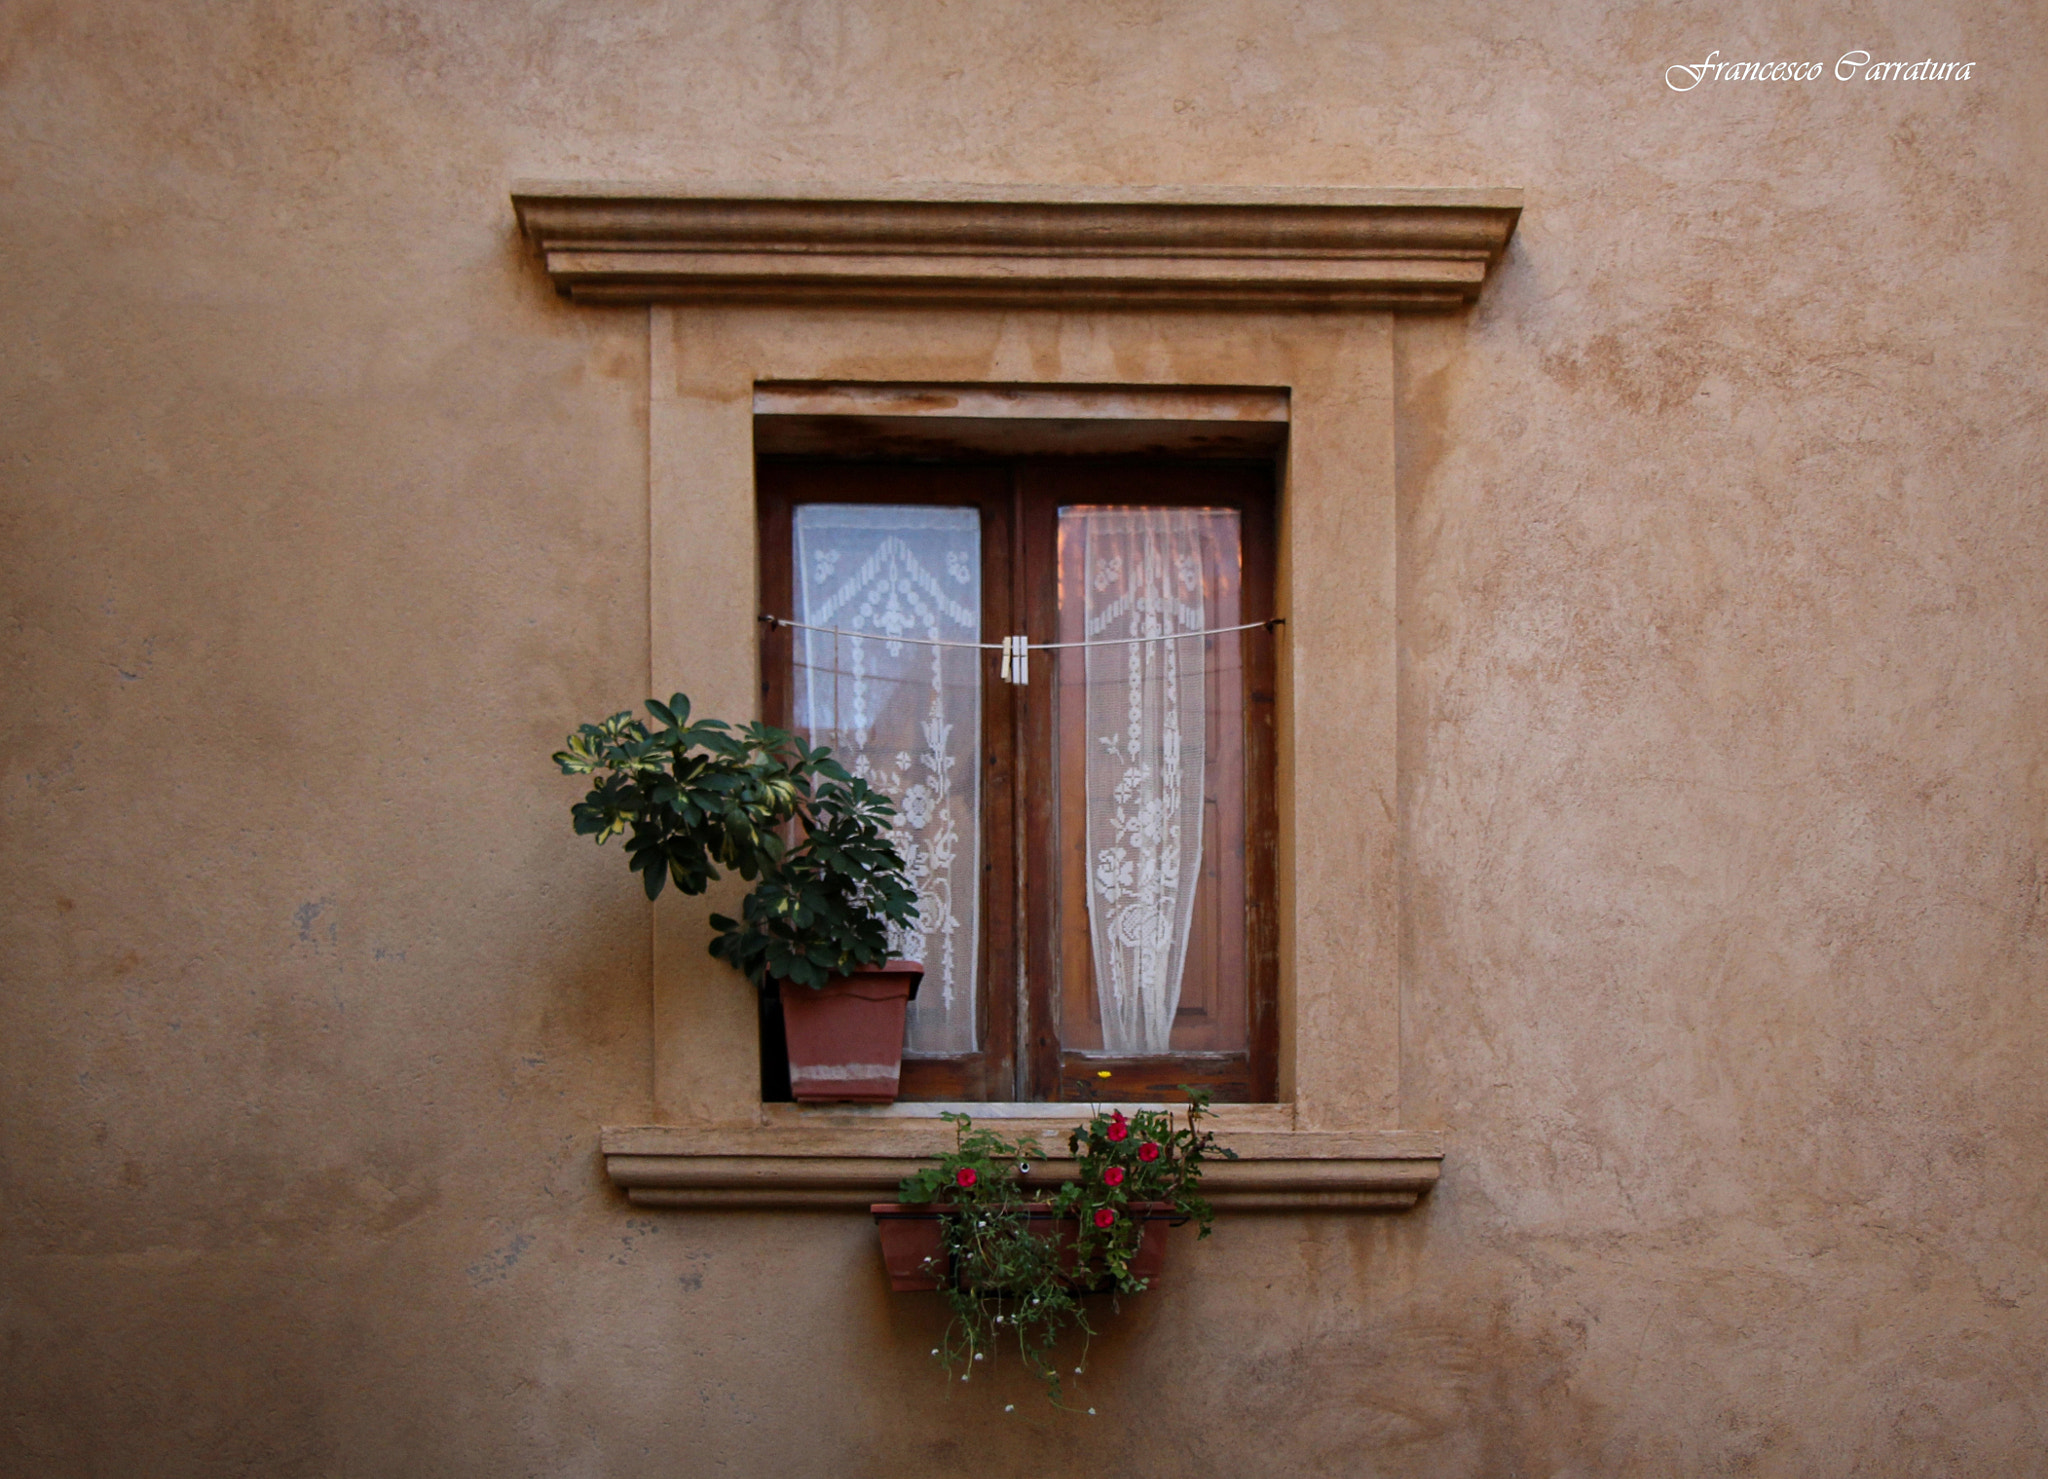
{"points": [[1724, 685]]}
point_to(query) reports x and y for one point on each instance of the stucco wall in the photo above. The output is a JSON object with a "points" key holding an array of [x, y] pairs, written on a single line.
{"points": [[1724, 692]]}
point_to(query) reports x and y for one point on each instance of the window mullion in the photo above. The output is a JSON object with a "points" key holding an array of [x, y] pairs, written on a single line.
{"points": [[1020, 780]]}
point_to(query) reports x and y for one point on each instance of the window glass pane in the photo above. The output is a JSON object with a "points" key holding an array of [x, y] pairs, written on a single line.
{"points": [[1151, 778], [904, 716]]}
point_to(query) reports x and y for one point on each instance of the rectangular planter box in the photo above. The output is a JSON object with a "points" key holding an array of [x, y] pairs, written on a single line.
{"points": [[916, 1258]]}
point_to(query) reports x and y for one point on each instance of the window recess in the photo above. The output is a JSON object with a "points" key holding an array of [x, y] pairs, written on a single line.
{"points": [[1093, 847]]}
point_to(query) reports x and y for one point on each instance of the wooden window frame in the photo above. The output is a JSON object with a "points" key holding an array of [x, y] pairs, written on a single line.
{"points": [[985, 1075], [1054, 1071], [1026, 894]]}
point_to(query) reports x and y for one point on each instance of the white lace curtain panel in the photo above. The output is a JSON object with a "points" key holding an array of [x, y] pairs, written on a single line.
{"points": [[1147, 739], [905, 717]]}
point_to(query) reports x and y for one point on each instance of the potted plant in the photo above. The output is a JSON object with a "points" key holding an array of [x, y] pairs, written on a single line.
{"points": [[695, 799], [1015, 1264]]}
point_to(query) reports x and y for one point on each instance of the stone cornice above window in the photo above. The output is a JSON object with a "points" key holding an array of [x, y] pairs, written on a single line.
{"points": [[1070, 247]]}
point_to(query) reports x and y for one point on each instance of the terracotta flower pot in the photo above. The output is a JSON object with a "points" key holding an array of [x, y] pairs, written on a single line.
{"points": [[846, 1037], [914, 1251]]}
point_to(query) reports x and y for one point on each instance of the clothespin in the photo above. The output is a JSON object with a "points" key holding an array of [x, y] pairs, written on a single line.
{"points": [[1016, 660]]}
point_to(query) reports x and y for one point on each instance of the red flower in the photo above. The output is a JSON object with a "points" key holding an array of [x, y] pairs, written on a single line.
{"points": [[965, 1176], [1119, 1127], [1113, 1176], [1104, 1216], [1149, 1151]]}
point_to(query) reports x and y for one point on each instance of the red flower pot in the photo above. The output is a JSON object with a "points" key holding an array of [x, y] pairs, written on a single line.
{"points": [[846, 1037], [914, 1252]]}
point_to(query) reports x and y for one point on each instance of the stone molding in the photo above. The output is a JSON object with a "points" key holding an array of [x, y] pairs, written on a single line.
{"points": [[1007, 247], [845, 1167]]}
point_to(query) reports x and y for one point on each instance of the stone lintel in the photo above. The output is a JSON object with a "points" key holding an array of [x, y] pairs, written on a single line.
{"points": [[1019, 247]]}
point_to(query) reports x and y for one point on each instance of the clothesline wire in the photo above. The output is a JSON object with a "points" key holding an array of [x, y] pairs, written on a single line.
{"points": [[1003, 646]]}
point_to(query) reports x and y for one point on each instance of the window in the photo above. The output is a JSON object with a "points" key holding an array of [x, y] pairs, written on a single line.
{"points": [[961, 321], [1094, 848]]}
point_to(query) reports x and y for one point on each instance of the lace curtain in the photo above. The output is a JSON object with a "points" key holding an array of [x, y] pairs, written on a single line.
{"points": [[1142, 577], [905, 718]]}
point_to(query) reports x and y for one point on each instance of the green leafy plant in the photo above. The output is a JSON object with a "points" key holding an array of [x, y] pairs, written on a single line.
{"points": [[698, 798], [1017, 1266]]}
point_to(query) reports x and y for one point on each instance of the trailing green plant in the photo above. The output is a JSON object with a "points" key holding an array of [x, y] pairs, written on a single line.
{"points": [[1013, 1277], [697, 798]]}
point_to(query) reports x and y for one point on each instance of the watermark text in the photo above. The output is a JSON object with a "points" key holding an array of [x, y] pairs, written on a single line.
{"points": [[1850, 66]]}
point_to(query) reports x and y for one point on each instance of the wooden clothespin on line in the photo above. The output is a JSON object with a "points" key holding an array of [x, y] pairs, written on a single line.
{"points": [[1016, 659]]}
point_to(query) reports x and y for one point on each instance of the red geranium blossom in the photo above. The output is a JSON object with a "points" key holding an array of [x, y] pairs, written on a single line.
{"points": [[1104, 1216], [965, 1176], [1149, 1151], [1113, 1176], [1119, 1127]]}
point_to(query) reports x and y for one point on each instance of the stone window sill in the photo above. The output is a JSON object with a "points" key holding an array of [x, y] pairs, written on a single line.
{"points": [[844, 1159]]}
